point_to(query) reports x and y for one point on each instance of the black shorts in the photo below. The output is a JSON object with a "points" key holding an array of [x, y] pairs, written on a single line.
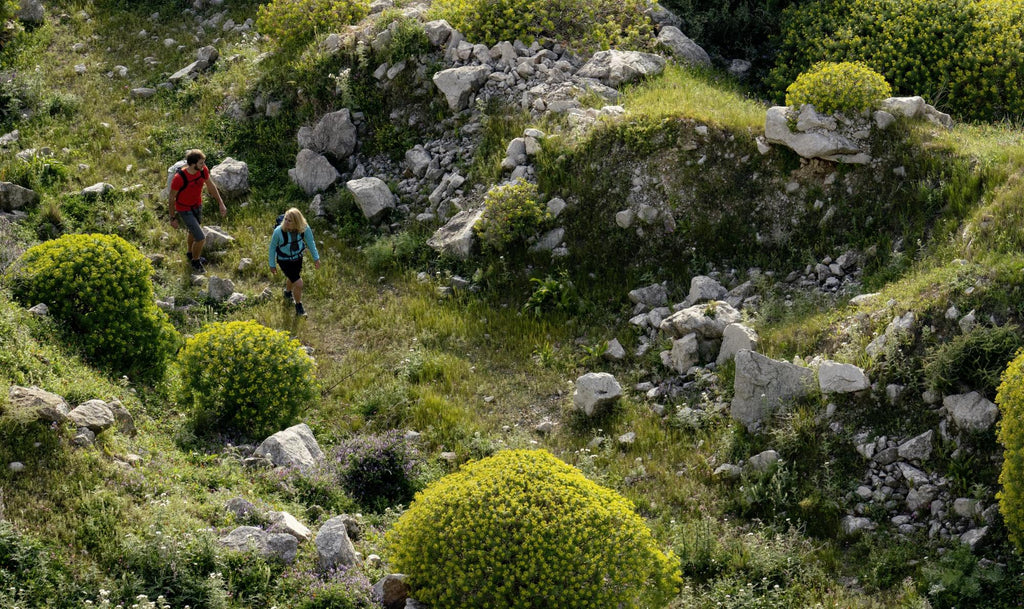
{"points": [[292, 269], [193, 220]]}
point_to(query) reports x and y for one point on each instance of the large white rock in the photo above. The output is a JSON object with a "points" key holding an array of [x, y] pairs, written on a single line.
{"points": [[41, 404], [764, 385], [595, 391], [703, 289], [14, 197], [94, 415], [707, 320], [821, 143], [685, 353], [293, 447], [615, 68], [333, 545], [334, 134], [231, 177], [459, 84], [736, 337], [30, 11], [456, 238], [971, 411], [373, 197], [684, 49], [834, 377], [654, 295], [918, 448], [313, 172]]}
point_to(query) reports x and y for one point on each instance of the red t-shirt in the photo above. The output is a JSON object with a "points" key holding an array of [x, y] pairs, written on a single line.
{"points": [[192, 195]]}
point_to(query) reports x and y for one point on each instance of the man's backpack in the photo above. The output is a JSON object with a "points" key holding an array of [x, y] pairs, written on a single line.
{"points": [[180, 170], [291, 248]]}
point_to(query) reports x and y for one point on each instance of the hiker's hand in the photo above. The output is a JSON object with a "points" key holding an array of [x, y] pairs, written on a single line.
{"points": [[174, 223], [273, 270], [223, 210], [316, 263]]}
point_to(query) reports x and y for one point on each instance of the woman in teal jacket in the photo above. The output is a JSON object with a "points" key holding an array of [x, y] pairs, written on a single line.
{"points": [[291, 238]]}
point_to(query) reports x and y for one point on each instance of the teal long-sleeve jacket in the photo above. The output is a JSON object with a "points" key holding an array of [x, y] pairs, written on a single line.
{"points": [[292, 248]]}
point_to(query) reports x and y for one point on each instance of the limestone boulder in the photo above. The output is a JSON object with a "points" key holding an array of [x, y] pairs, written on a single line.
{"points": [[834, 377], [313, 173], [13, 197], [456, 237], [971, 412], [595, 391], [294, 447], [334, 135], [458, 85], [683, 49], [615, 68], [372, 196], [231, 177], [707, 320], [94, 415], [764, 386], [37, 403], [333, 545]]}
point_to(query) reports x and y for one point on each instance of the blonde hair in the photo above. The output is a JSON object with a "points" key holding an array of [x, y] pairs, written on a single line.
{"points": [[297, 220]]}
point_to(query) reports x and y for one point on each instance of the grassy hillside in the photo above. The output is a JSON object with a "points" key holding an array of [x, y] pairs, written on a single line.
{"points": [[475, 371]]}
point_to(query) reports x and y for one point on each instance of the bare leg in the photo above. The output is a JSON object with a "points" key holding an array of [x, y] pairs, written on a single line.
{"points": [[196, 247], [297, 291]]}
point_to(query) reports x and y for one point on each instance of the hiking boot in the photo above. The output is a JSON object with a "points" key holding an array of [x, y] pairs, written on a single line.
{"points": [[288, 296], [203, 260], [197, 266], [189, 256], [299, 310]]}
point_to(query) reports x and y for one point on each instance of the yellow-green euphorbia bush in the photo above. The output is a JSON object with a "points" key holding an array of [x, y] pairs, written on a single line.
{"points": [[966, 56], [98, 287], [292, 23], [521, 529], [1010, 399], [580, 23], [848, 87], [246, 377]]}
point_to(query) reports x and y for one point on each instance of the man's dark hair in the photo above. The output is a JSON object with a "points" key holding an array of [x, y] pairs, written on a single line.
{"points": [[194, 156]]}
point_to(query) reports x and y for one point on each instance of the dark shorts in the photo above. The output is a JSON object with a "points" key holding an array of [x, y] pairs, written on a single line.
{"points": [[193, 219], [292, 269]]}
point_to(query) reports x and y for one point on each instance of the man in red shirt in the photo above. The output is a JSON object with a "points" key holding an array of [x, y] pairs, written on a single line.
{"points": [[186, 203]]}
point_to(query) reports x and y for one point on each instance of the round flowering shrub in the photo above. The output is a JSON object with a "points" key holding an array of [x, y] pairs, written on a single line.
{"points": [[98, 287], [1010, 399], [511, 215], [581, 23], [848, 87], [965, 55], [522, 529], [377, 471], [292, 23], [242, 376]]}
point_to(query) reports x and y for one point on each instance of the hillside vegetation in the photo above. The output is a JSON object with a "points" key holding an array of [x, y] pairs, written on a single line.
{"points": [[437, 397]]}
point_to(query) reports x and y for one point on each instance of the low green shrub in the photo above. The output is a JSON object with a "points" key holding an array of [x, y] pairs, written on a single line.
{"points": [[581, 23], [552, 294], [30, 577], [972, 361], [182, 567], [512, 214], [245, 377], [523, 529], [849, 87], [965, 55], [1011, 435], [292, 23], [377, 471], [408, 38], [99, 288]]}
